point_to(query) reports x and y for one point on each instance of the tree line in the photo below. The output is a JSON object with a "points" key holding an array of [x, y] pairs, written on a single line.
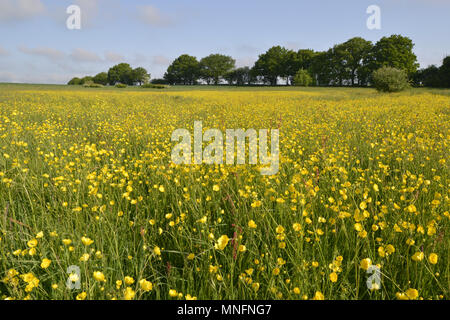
{"points": [[122, 73], [351, 63]]}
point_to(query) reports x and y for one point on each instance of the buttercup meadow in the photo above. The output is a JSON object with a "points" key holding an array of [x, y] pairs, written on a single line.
{"points": [[87, 184]]}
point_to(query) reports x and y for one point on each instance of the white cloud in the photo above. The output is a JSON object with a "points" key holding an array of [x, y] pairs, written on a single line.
{"points": [[49, 53], [152, 16], [14, 10], [81, 55], [161, 60], [114, 57], [3, 52], [45, 78]]}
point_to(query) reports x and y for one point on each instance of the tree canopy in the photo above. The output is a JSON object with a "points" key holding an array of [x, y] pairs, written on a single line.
{"points": [[215, 66], [184, 70], [350, 63]]}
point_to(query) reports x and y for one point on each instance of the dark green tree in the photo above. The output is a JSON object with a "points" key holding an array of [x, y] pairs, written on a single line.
{"points": [[140, 75], [322, 69], [101, 78], [302, 78], [74, 81], [215, 66], [444, 71], [395, 51], [354, 53], [86, 79], [239, 76], [120, 73], [276, 62], [184, 70], [428, 77]]}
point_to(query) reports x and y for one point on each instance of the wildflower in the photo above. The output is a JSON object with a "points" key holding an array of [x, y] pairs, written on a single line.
{"points": [[333, 277], [81, 296], [222, 242], [99, 276], [252, 224], [433, 258], [365, 263], [32, 243], [129, 294], [84, 257], [87, 241], [146, 285], [173, 293], [318, 296], [129, 280], [45, 263], [412, 294], [418, 256]]}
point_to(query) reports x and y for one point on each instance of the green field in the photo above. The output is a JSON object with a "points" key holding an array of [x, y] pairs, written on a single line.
{"points": [[87, 181]]}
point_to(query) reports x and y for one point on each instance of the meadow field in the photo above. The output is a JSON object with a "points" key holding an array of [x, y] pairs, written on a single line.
{"points": [[92, 207]]}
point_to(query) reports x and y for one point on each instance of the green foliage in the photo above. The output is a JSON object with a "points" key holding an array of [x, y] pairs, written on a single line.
{"points": [[91, 84], [215, 66], [273, 64], [74, 81], [121, 73], [184, 70], [353, 53], [86, 79], [121, 85], [428, 77], [159, 81], [101, 78], [387, 79], [239, 76], [140, 75], [396, 52], [302, 78], [444, 71], [154, 86]]}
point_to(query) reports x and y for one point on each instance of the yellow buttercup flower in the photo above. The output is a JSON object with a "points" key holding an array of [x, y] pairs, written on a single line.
{"points": [[99, 276], [412, 294], [146, 285], [45, 263], [333, 277], [32, 243], [129, 294], [173, 293], [365, 263], [433, 258], [86, 241], [222, 242], [418, 256], [81, 296], [252, 224], [129, 280]]}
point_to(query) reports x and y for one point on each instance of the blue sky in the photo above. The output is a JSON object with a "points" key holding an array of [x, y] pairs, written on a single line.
{"points": [[37, 47]]}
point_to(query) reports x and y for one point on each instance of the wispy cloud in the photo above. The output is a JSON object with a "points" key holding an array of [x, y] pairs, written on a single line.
{"points": [[15, 10], [161, 60], [3, 52], [153, 16], [82, 55], [114, 57], [49, 53]]}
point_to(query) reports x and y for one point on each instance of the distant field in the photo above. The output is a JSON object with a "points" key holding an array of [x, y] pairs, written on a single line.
{"points": [[86, 181], [339, 91]]}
